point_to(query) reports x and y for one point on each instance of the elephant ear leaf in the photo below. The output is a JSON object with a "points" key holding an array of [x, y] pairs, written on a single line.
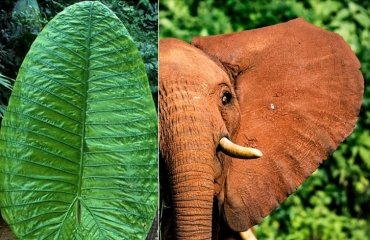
{"points": [[300, 91], [79, 138]]}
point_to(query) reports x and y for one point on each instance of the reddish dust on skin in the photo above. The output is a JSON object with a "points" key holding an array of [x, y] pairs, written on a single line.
{"points": [[299, 90], [187, 135]]}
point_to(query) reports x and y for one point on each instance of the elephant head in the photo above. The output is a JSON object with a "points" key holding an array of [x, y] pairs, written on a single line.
{"points": [[291, 90]]}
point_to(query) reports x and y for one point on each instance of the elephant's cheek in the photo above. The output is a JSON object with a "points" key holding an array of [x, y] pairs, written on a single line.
{"points": [[221, 167], [217, 188]]}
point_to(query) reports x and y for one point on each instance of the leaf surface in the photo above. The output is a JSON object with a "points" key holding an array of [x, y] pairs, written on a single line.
{"points": [[78, 143]]}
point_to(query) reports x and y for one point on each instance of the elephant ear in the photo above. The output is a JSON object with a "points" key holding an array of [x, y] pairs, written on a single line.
{"points": [[300, 91]]}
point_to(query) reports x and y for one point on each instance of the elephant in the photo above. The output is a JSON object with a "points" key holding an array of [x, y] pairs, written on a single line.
{"points": [[245, 118]]}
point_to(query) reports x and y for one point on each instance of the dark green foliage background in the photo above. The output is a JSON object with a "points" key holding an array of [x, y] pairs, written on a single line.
{"points": [[18, 30], [335, 202]]}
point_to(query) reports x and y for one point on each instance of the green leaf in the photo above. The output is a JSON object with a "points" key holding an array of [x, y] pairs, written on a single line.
{"points": [[364, 138], [27, 7], [78, 143], [5, 82], [2, 110], [365, 156]]}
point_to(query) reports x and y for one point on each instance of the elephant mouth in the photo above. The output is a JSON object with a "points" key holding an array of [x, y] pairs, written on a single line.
{"points": [[234, 150]]}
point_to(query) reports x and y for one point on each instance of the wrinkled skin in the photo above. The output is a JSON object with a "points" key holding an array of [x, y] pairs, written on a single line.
{"points": [[291, 90], [193, 134]]}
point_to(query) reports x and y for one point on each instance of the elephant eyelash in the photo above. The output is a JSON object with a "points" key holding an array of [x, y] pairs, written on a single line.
{"points": [[226, 98]]}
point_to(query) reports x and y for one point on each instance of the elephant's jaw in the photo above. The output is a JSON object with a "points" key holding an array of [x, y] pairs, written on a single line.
{"points": [[229, 149], [225, 151]]}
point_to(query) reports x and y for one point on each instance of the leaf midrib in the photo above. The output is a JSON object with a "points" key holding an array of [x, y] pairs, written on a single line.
{"points": [[77, 201], [84, 111]]}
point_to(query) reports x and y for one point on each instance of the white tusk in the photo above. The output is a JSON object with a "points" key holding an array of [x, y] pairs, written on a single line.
{"points": [[237, 151], [248, 235]]}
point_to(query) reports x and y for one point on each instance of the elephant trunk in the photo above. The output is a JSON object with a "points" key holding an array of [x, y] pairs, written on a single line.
{"points": [[188, 145], [192, 195]]}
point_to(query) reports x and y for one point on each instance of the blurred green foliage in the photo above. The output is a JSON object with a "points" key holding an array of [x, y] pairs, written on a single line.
{"points": [[22, 20], [334, 203], [5, 88], [141, 20]]}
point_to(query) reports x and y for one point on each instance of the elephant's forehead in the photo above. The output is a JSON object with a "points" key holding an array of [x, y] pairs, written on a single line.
{"points": [[182, 60]]}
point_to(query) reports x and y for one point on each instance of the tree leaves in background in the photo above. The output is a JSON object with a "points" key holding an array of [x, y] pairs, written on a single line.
{"points": [[141, 20], [27, 12], [78, 141], [5, 84]]}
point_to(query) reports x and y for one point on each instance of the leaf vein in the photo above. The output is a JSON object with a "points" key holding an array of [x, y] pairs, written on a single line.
{"points": [[35, 147]]}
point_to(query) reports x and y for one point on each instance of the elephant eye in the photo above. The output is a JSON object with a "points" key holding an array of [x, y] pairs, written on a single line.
{"points": [[226, 98]]}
